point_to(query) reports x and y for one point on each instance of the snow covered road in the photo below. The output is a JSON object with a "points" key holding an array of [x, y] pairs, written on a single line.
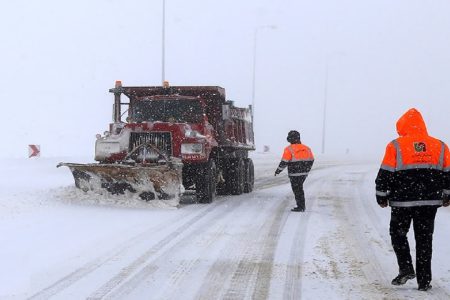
{"points": [[60, 244]]}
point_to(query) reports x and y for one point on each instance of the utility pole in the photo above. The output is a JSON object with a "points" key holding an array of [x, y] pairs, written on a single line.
{"points": [[325, 108], [163, 57]]}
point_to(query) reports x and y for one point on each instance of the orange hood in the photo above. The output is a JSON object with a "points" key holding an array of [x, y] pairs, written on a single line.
{"points": [[411, 123]]}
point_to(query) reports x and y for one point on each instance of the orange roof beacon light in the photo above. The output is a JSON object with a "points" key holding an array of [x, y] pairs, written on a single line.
{"points": [[118, 83], [166, 84]]}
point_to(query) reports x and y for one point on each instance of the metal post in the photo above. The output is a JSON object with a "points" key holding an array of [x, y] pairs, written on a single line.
{"points": [[325, 100], [254, 70], [325, 108], [163, 62], [117, 110], [117, 107]]}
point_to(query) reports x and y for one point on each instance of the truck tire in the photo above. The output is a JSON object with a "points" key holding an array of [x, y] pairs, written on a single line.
{"points": [[249, 181], [236, 176], [205, 183]]}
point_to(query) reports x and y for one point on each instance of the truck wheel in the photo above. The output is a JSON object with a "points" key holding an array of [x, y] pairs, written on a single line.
{"points": [[249, 175], [236, 176], [205, 185]]}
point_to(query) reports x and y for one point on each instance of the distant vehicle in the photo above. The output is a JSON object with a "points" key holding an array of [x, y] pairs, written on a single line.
{"points": [[173, 138]]}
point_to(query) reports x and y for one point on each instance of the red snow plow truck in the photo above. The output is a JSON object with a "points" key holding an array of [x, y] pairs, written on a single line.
{"points": [[173, 138]]}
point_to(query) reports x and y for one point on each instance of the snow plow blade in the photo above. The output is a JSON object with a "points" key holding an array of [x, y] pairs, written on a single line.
{"points": [[150, 180]]}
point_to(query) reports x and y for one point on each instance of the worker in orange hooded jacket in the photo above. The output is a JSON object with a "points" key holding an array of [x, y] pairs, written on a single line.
{"points": [[299, 160], [414, 179]]}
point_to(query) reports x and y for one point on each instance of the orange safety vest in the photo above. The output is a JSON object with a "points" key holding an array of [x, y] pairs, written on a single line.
{"points": [[297, 152], [298, 158], [416, 153]]}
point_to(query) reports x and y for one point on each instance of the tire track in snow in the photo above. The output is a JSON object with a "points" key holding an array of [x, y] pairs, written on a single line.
{"points": [[141, 268], [293, 283], [265, 266], [214, 280], [268, 181], [93, 265], [359, 233], [220, 273], [184, 269], [255, 268]]}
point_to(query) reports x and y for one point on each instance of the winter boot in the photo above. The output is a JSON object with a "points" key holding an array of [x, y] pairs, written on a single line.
{"points": [[424, 287], [298, 209], [403, 277]]}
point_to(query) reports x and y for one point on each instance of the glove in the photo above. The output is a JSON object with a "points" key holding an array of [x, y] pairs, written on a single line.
{"points": [[446, 201], [277, 171], [382, 201]]}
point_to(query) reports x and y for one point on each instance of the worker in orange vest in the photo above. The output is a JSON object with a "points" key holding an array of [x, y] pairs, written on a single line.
{"points": [[414, 180], [299, 160]]}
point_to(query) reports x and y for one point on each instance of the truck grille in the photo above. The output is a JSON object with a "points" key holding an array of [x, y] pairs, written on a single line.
{"points": [[162, 140]]}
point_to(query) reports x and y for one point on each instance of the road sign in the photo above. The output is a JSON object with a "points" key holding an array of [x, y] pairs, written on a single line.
{"points": [[34, 151]]}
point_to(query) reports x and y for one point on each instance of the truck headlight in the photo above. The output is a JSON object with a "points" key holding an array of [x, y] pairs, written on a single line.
{"points": [[192, 149], [103, 149]]}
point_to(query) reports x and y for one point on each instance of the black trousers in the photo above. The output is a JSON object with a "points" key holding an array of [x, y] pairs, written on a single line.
{"points": [[423, 224], [297, 188]]}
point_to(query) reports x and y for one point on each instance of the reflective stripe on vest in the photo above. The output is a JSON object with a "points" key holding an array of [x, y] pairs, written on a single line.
{"points": [[441, 157], [387, 168], [294, 159], [415, 203], [401, 167], [399, 163], [422, 166], [298, 174], [380, 193]]}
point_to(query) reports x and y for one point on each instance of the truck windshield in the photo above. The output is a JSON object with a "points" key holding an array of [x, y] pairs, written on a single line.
{"points": [[175, 111]]}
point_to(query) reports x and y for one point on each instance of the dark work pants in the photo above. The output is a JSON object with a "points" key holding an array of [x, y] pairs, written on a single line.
{"points": [[297, 188], [423, 224]]}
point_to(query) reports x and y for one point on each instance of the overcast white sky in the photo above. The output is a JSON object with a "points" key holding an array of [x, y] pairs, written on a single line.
{"points": [[59, 58]]}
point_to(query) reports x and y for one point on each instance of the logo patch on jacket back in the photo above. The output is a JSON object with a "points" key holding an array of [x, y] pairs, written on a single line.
{"points": [[420, 147]]}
